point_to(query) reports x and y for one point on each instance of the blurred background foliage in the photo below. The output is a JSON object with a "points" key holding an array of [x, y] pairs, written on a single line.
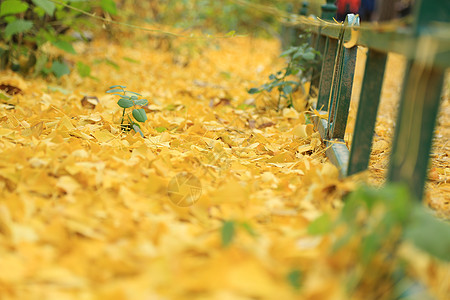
{"points": [[28, 27], [212, 16]]}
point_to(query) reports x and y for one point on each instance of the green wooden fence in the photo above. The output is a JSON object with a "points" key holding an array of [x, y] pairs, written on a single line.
{"points": [[425, 42]]}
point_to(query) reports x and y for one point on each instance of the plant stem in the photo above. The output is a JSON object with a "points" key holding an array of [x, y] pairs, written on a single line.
{"points": [[123, 116]]}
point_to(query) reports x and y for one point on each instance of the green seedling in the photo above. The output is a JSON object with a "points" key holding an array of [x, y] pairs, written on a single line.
{"points": [[127, 100], [300, 60]]}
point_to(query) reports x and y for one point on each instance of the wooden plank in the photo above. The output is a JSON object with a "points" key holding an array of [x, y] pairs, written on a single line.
{"points": [[367, 112], [415, 125], [420, 101], [402, 40], [326, 76], [343, 96], [315, 78]]}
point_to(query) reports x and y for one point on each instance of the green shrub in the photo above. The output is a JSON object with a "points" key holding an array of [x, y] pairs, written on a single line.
{"points": [[28, 25]]}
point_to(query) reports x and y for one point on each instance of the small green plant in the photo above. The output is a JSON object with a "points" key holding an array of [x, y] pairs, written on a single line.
{"points": [[130, 99], [292, 77], [28, 25], [229, 228]]}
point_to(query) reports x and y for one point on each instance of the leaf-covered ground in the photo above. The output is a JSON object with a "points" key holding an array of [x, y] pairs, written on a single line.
{"points": [[85, 211]]}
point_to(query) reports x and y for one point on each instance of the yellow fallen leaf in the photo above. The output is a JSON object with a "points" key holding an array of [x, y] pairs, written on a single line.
{"points": [[103, 136]]}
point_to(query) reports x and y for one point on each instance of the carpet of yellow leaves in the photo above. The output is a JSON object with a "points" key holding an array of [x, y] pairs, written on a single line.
{"points": [[85, 211]]}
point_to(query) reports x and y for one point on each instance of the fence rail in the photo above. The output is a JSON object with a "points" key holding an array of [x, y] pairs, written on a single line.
{"points": [[425, 42]]}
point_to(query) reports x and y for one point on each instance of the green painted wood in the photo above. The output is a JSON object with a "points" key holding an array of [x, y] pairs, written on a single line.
{"points": [[402, 40], [326, 75], [426, 44], [288, 33], [329, 10], [415, 125], [335, 82], [328, 13], [315, 77], [427, 12], [367, 111], [344, 94], [420, 102], [304, 9]]}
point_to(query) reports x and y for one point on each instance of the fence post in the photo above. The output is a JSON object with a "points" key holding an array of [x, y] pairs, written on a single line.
{"points": [[341, 92], [367, 111], [288, 32], [329, 10], [328, 13], [420, 101], [304, 9]]}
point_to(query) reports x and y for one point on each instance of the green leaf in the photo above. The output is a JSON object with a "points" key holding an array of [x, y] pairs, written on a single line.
{"points": [[66, 46], [136, 128], [289, 51], [228, 232], [243, 106], [112, 64], [231, 33], [124, 103], [247, 227], [4, 96], [129, 59], [253, 91], [17, 26], [40, 64], [308, 56], [140, 115], [60, 69], [46, 5], [83, 69], [170, 107], [115, 91], [134, 93], [141, 102], [287, 89], [370, 245], [160, 129], [294, 278], [12, 7], [320, 226], [9, 19], [115, 86], [59, 89], [429, 234], [109, 6]]}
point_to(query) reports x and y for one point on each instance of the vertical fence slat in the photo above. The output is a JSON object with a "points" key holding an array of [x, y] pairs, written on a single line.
{"points": [[328, 12], [335, 82], [415, 125], [344, 94], [315, 78], [326, 76], [420, 101], [367, 111]]}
